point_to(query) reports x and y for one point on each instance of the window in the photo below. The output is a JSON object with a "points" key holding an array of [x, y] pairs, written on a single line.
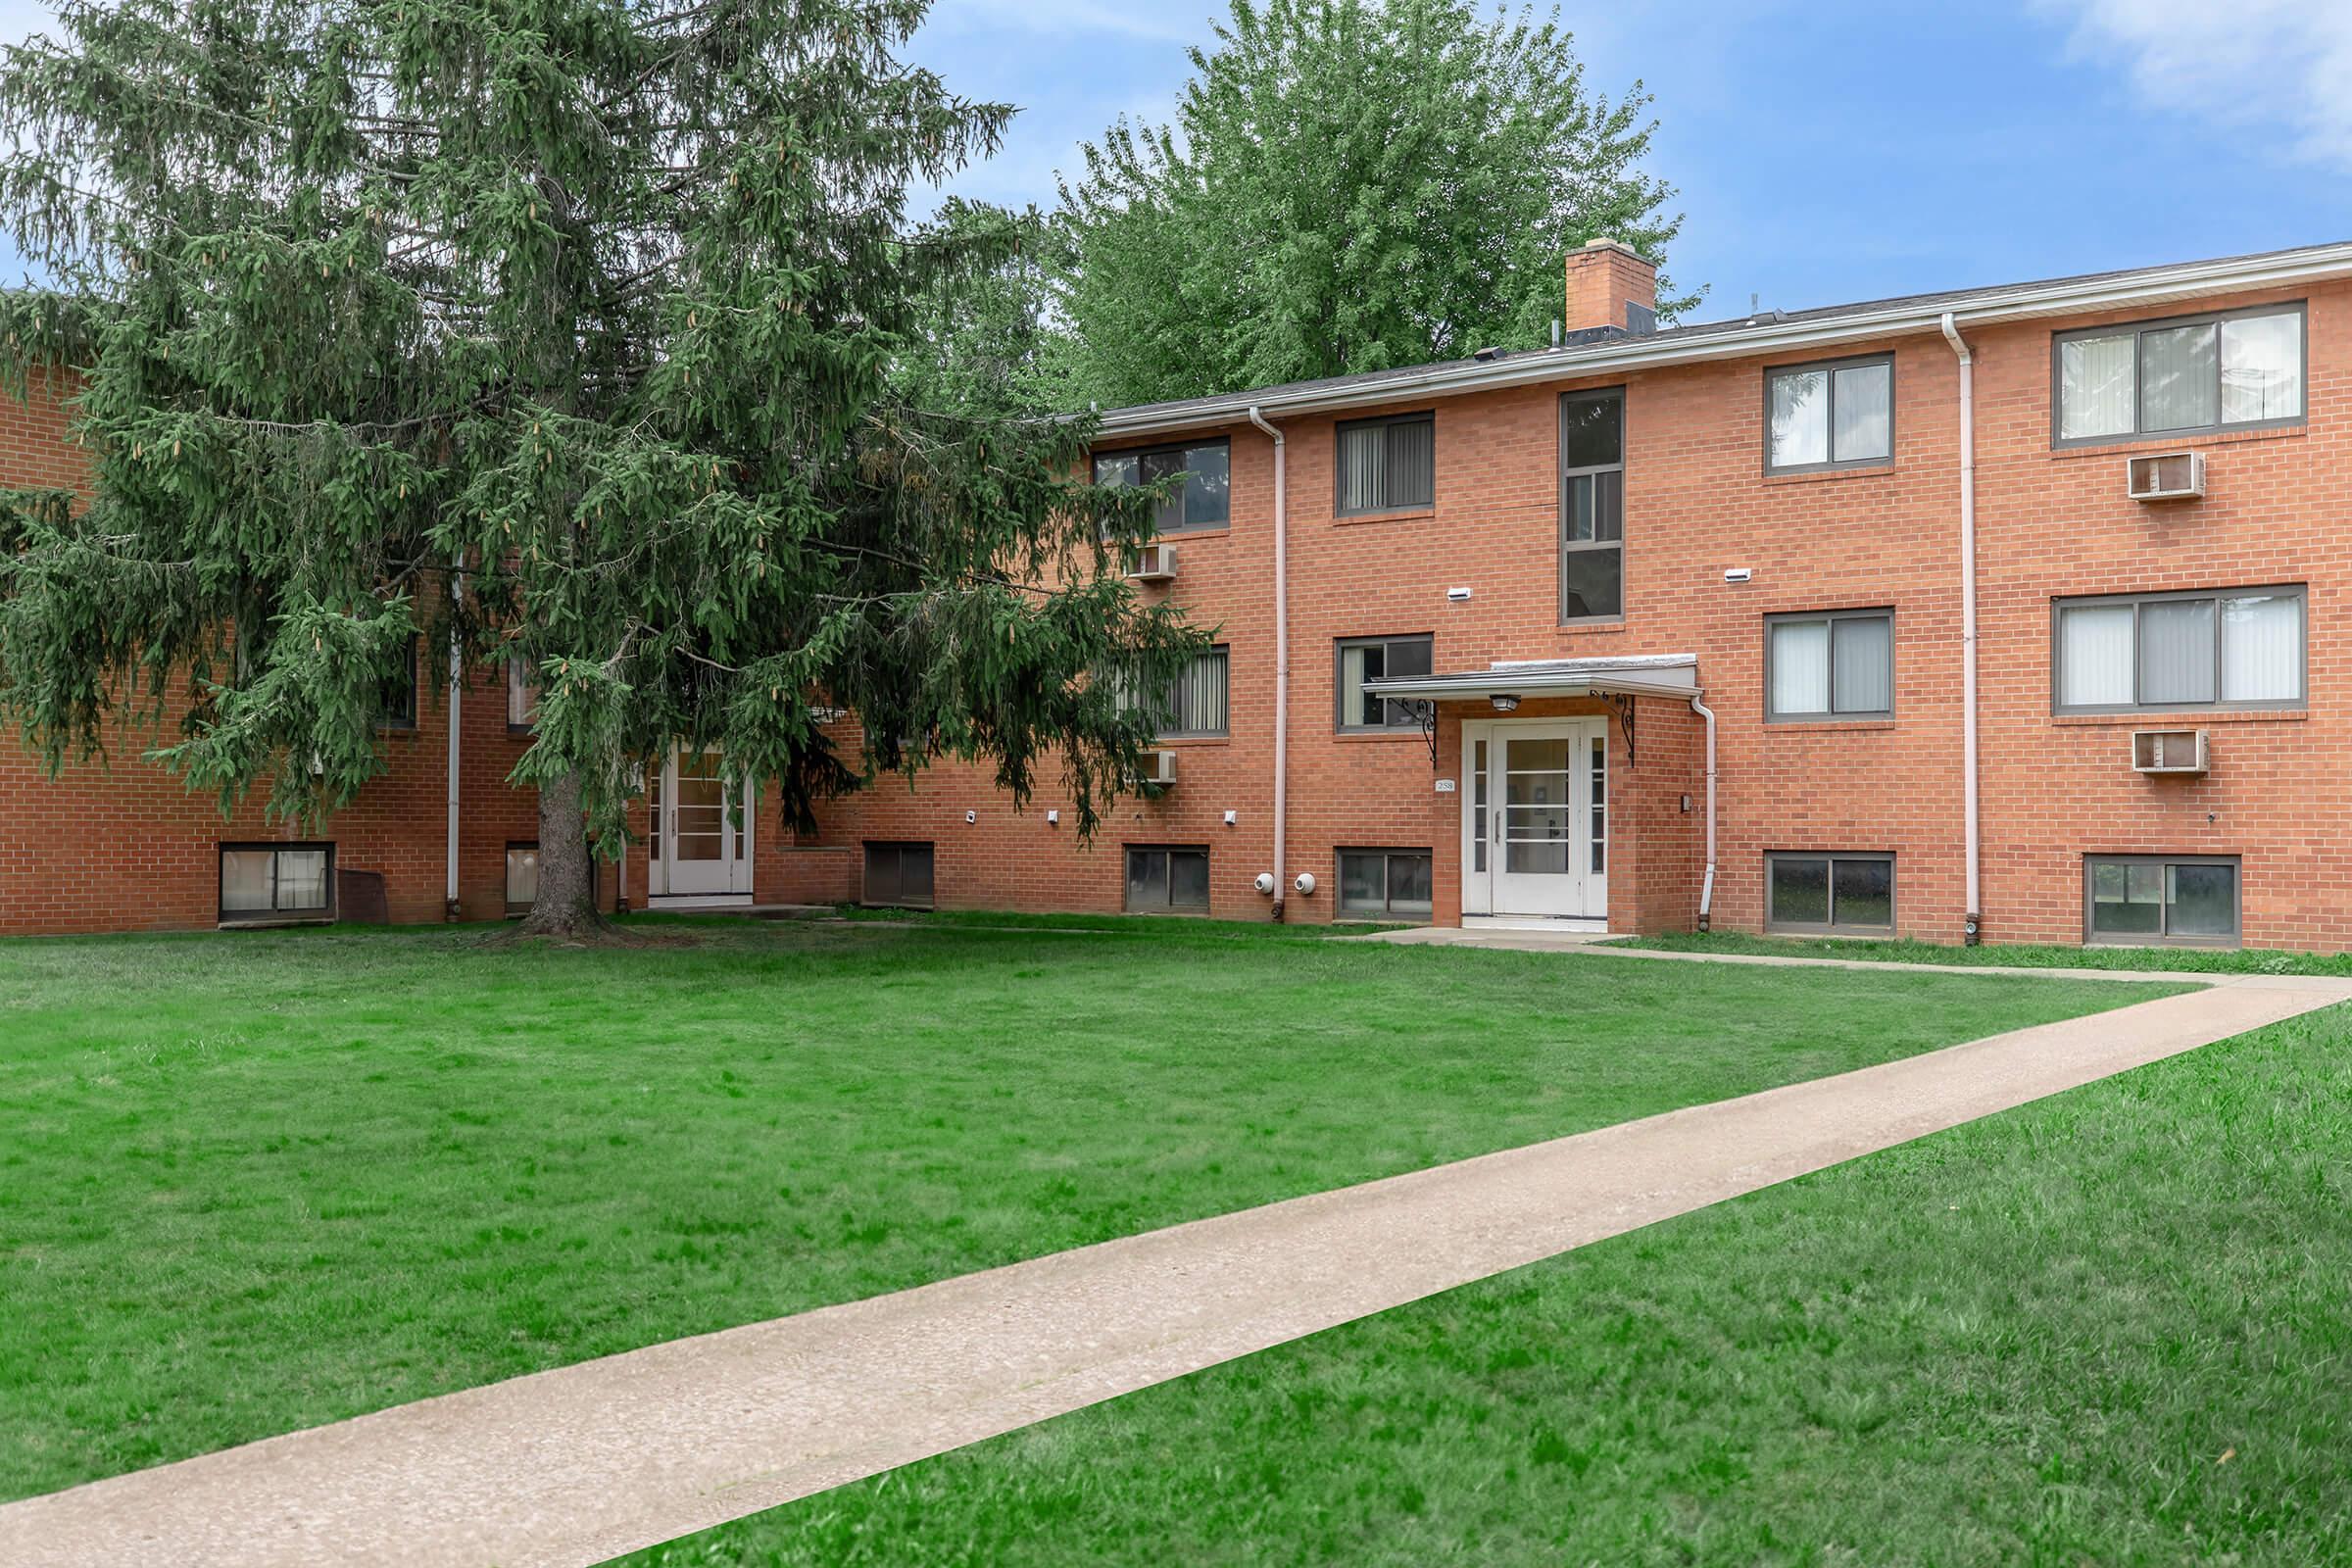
{"points": [[1593, 505], [523, 697], [1379, 882], [1387, 465], [523, 877], [1834, 665], [1163, 879], [1370, 659], [2121, 652], [396, 700], [1828, 892], [2178, 900], [2206, 372], [1837, 415], [1195, 704], [1203, 501], [899, 874], [276, 881]]}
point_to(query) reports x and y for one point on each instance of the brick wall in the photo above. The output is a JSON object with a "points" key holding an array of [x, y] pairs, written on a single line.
{"points": [[93, 852]]}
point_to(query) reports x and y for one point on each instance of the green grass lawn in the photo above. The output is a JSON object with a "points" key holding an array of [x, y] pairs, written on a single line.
{"points": [[2111, 1328], [253, 1183], [2202, 960]]}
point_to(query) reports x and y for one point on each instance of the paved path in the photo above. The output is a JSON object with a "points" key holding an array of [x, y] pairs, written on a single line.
{"points": [[571, 1466]]}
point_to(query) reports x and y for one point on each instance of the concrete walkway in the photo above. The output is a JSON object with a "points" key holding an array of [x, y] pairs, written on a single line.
{"points": [[572, 1467]]}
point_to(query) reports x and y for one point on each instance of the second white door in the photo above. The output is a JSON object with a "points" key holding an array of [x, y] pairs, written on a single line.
{"points": [[1537, 819]]}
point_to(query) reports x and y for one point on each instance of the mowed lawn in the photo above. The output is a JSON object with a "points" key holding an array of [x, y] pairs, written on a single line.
{"points": [[2109, 1328], [254, 1183]]}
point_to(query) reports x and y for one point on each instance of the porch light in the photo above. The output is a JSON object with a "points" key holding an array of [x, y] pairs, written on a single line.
{"points": [[1504, 702]]}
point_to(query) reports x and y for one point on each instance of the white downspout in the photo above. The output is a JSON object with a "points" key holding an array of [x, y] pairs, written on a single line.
{"points": [[457, 673], [1282, 657], [1706, 889], [1973, 923]]}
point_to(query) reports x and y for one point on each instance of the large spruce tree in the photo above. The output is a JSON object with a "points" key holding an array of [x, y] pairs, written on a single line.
{"points": [[569, 332]]}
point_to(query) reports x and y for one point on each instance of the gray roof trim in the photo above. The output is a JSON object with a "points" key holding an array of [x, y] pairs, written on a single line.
{"points": [[1611, 351], [1673, 675]]}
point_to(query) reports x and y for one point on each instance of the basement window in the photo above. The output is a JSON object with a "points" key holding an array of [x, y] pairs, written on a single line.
{"points": [[2184, 900], [898, 875], [523, 877], [1832, 894], [1380, 883], [1167, 880], [268, 883]]}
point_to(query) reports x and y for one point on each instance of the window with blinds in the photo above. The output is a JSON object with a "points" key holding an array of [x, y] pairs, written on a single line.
{"points": [[1839, 665], [2189, 373], [1195, 704], [2119, 654], [1387, 465]]}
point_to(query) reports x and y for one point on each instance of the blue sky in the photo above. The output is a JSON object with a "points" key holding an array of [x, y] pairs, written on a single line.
{"points": [[1829, 150]]}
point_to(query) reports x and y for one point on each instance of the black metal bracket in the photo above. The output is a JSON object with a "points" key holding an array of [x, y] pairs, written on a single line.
{"points": [[1625, 717], [1429, 730]]}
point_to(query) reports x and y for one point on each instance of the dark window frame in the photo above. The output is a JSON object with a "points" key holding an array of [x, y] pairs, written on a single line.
{"points": [[1413, 715], [2138, 330], [402, 716], [2058, 608], [516, 682], [276, 915], [1387, 910], [1566, 546], [1834, 926], [898, 849], [1223, 650], [1850, 361], [1127, 878], [1832, 714], [1339, 475], [1164, 449], [2163, 938]]}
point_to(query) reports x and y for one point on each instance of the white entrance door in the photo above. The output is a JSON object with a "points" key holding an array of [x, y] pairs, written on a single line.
{"points": [[702, 835], [1535, 825]]}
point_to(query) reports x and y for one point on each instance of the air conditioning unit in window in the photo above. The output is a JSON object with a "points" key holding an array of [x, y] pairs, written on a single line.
{"points": [[2167, 476], [2169, 751], [1158, 771], [1154, 564]]}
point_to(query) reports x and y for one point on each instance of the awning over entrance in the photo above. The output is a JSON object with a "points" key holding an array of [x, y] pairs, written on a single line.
{"points": [[1673, 675]]}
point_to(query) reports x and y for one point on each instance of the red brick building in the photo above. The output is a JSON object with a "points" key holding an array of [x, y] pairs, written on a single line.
{"points": [[1478, 624]]}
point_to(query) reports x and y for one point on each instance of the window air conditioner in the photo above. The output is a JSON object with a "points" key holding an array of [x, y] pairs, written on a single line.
{"points": [[2167, 476], [1154, 564], [2169, 751], [1158, 769]]}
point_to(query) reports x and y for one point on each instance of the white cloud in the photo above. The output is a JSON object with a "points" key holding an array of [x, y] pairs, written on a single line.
{"points": [[2247, 65]]}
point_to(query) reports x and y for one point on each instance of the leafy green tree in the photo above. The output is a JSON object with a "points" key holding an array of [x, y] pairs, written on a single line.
{"points": [[558, 330], [987, 340], [1348, 185]]}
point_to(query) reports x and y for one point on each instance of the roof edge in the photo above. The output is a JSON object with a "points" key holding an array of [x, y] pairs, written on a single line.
{"points": [[1977, 307]]}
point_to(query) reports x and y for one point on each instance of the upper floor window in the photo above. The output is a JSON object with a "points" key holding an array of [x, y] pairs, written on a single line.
{"points": [[1195, 703], [1369, 659], [1834, 665], [1387, 465], [2241, 649], [2204, 373], [1839, 415], [523, 695], [395, 697], [1203, 501], [1593, 505]]}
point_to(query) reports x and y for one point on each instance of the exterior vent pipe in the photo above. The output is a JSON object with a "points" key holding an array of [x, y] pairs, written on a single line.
{"points": [[1282, 655]]}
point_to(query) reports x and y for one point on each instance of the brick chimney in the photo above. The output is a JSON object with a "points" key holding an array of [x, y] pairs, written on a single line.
{"points": [[1608, 286]]}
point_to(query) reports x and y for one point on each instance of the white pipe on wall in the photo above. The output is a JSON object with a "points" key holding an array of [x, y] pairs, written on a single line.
{"points": [[1706, 889], [1973, 923], [1282, 655], [457, 680]]}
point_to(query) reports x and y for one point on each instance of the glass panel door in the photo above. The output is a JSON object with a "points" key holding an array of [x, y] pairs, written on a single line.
{"points": [[702, 844]]}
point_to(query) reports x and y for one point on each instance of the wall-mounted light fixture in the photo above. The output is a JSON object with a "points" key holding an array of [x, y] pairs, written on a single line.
{"points": [[1504, 702]]}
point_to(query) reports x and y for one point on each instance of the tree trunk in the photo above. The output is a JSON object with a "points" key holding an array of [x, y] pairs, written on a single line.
{"points": [[565, 908]]}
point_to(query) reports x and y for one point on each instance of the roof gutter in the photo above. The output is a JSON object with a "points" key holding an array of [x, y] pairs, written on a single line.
{"points": [[1282, 655], [2188, 280], [1972, 925]]}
